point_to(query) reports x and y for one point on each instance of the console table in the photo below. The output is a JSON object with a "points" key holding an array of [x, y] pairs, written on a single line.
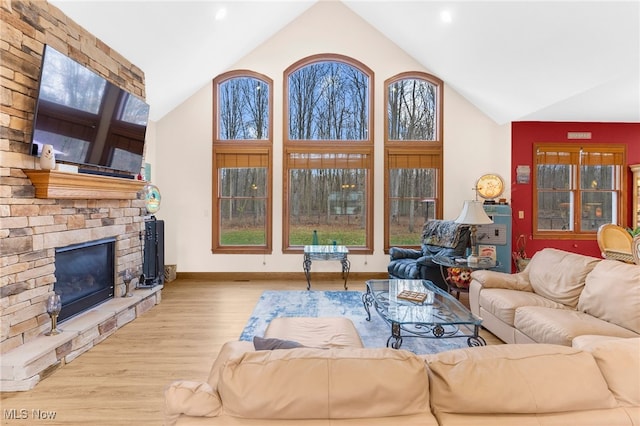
{"points": [[326, 252]]}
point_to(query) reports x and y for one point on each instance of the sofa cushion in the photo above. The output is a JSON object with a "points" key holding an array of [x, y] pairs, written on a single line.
{"points": [[517, 378], [612, 293], [561, 326], [308, 383], [619, 362], [495, 279], [560, 275], [503, 303]]}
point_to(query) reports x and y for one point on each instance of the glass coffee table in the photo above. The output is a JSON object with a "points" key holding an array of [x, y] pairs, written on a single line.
{"points": [[439, 316]]}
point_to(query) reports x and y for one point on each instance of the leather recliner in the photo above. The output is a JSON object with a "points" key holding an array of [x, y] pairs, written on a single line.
{"points": [[439, 237]]}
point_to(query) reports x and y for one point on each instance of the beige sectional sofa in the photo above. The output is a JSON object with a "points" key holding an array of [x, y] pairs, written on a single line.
{"points": [[523, 384], [558, 297]]}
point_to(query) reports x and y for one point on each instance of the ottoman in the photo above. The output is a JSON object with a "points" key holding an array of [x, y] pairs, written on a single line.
{"points": [[317, 332]]}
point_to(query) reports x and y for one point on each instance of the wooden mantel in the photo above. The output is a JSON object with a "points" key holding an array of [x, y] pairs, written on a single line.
{"points": [[57, 184]]}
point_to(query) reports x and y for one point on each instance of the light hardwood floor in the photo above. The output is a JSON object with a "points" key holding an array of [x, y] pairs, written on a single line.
{"points": [[121, 380]]}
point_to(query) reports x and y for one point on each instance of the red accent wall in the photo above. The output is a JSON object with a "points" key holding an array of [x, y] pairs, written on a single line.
{"points": [[524, 134]]}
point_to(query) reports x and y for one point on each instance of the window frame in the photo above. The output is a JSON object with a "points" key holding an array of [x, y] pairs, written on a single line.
{"points": [[418, 147], [362, 146], [575, 151], [250, 147]]}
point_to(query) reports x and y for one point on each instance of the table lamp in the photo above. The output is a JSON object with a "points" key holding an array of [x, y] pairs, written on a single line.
{"points": [[473, 214]]}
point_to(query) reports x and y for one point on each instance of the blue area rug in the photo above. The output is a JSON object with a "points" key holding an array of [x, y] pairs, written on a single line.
{"points": [[347, 304]]}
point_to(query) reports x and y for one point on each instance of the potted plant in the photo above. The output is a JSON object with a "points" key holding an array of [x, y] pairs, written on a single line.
{"points": [[634, 232]]}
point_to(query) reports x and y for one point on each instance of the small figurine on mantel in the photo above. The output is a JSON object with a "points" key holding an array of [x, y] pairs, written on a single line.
{"points": [[47, 158]]}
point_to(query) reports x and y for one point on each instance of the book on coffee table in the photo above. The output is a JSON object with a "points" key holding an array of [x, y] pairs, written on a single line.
{"points": [[412, 296]]}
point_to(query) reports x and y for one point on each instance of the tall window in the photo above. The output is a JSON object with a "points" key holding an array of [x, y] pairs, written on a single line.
{"points": [[328, 153], [413, 156], [578, 188], [242, 163]]}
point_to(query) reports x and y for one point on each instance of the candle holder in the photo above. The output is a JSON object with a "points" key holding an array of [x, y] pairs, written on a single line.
{"points": [[54, 306], [127, 278]]}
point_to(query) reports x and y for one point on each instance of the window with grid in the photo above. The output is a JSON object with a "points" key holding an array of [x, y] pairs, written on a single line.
{"points": [[578, 188], [328, 153], [242, 163], [413, 156]]}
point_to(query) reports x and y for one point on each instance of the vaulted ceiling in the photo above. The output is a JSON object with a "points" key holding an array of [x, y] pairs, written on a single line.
{"points": [[514, 60]]}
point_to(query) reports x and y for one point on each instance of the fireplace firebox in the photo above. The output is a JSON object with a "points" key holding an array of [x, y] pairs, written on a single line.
{"points": [[85, 275]]}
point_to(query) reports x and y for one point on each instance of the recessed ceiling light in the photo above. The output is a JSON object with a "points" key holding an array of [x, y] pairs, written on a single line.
{"points": [[221, 14], [445, 16]]}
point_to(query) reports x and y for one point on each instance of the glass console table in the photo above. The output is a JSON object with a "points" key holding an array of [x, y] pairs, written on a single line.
{"points": [[439, 316], [326, 252]]}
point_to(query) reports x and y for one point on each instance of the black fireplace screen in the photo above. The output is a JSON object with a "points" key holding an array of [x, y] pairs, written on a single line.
{"points": [[85, 275]]}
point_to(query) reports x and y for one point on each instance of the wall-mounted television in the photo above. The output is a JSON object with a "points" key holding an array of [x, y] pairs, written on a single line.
{"points": [[88, 120]]}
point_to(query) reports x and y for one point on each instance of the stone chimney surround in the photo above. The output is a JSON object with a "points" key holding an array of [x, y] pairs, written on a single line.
{"points": [[41, 211]]}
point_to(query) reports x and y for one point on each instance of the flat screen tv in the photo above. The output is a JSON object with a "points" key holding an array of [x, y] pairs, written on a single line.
{"points": [[88, 120]]}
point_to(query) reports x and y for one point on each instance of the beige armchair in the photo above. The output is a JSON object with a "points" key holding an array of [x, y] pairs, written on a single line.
{"points": [[615, 243]]}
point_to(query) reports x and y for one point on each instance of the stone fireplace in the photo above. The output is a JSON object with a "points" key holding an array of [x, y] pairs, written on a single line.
{"points": [[42, 212], [34, 262], [85, 276]]}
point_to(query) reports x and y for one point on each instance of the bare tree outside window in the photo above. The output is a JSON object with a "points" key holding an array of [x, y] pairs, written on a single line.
{"points": [[328, 101], [555, 198], [331, 201], [243, 197], [557, 195], [244, 109], [412, 110], [412, 200], [578, 188], [242, 152], [413, 161], [328, 153]]}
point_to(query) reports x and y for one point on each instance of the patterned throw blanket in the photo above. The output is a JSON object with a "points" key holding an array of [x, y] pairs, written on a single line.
{"points": [[442, 233]]}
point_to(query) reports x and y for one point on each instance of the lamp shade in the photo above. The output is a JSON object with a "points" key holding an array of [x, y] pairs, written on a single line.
{"points": [[473, 214]]}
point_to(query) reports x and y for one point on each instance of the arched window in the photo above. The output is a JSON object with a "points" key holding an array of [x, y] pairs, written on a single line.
{"points": [[242, 162], [413, 156], [328, 153]]}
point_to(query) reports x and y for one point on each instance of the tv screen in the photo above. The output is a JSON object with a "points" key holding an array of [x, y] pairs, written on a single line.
{"points": [[86, 119]]}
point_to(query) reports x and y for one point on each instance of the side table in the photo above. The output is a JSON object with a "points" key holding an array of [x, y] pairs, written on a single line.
{"points": [[326, 252], [450, 265]]}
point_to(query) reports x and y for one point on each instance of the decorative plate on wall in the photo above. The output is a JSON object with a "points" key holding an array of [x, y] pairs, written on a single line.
{"points": [[490, 186], [152, 198]]}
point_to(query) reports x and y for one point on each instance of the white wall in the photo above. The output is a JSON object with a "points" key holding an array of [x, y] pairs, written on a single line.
{"points": [[474, 145]]}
